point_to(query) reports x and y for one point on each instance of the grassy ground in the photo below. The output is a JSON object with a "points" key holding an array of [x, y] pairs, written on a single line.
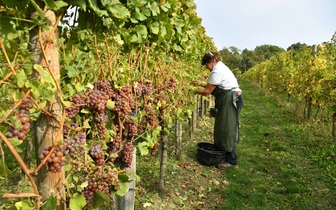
{"points": [[284, 163]]}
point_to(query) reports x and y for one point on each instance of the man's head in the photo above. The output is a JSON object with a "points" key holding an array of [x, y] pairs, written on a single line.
{"points": [[210, 59]]}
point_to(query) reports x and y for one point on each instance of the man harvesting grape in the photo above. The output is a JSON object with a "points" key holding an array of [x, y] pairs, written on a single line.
{"points": [[223, 85]]}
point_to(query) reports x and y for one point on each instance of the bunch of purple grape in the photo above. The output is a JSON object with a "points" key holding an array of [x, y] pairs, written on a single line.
{"points": [[100, 181], [97, 155], [78, 102], [24, 118], [127, 154], [56, 160]]}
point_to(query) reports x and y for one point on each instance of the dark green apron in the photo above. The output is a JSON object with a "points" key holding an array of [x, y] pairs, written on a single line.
{"points": [[226, 120]]}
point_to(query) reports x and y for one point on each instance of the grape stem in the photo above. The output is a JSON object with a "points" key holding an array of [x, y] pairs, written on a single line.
{"points": [[6, 56], [23, 166]]}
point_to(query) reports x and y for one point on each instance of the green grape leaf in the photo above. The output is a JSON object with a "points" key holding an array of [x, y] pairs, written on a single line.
{"points": [[23, 205], [46, 93], [177, 47], [67, 167], [154, 8], [146, 11], [71, 71], [55, 5], [155, 27], [100, 199], [134, 38], [60, 4], [180, 115], [77, 202], [110, 104], [163, 31], [137, 3], [45, 75], [124, 178], [85, 111], [94, 5], [168, 59], [79, 87], [67, 103], [143, 148], [38, 90], [84, 184], [21, 78], [165, 7], [34, 85], [70, 89], [80, 3], [15, 142], [118, 39], [51, 203], [119, 11], [141, 31], [123, 189], [137, 15]]}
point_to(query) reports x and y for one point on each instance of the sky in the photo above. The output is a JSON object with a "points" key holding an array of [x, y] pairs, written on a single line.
{"points": [[247, 24]]}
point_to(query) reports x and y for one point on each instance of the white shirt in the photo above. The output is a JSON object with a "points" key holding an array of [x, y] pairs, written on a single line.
{"points": [[223, 77]]}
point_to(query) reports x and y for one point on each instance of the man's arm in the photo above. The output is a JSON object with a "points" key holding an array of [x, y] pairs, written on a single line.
{"points": [[207, 90]]}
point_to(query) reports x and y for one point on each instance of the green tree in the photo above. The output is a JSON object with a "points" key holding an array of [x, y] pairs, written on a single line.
{"points": [[265, 52], [232, 58], [296, 47], [249, 60]]}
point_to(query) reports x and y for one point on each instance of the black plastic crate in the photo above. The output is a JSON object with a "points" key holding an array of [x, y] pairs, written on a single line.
{"points": [[209, 154]]}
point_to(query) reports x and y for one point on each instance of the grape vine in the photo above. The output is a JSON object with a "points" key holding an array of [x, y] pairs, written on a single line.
{"points": [[110, 86]]}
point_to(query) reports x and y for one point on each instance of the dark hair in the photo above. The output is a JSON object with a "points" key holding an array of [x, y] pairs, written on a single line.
{"points": [[209, 57]]}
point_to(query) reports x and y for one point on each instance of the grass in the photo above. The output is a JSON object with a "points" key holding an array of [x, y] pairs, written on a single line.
{"points": [[284, 163]]}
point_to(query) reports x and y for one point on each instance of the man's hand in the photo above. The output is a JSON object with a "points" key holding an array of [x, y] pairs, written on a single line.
{"points": [[198, 83]]}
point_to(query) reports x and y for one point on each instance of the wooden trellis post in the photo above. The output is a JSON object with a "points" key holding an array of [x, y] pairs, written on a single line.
{"points": [[47, 128], [127, 201]]}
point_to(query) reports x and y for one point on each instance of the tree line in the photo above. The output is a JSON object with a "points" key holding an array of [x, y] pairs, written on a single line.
{"points": [[240, 61]]}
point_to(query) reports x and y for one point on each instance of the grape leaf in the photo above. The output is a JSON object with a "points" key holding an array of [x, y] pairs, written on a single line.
{"points": [[123, 189], [119, 11], [137, 15], [55, 5], [138, 3], [51, 203], [21, 78], [155, 27], [143, 148], [124, 178], [110, 105], [154, 8], [45, 75], [72, 72], [23, 205], [94, 5], [60, 4], [77, 202], [165, 7], [100, 199]]}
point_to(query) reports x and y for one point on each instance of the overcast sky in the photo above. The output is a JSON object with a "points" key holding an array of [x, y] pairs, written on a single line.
{"points": [[251, 23]]}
